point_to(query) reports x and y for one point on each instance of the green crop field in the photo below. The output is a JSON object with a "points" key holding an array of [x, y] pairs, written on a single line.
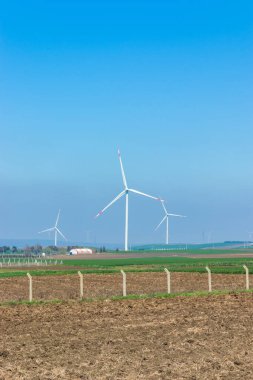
{"points": [[179, 264], [140, 264], [179, 261]]}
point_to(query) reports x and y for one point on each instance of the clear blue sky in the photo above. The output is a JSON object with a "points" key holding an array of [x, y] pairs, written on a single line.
{"points": [[169, 82]]}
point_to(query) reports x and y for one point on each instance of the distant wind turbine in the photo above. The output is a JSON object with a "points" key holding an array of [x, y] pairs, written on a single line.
{"points": [[55, 229], [250, 238], [125, 192], [166, 218]]}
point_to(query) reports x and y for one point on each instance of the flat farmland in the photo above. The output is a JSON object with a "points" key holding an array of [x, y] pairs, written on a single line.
{"points": [[181, 338], [66, 287]]}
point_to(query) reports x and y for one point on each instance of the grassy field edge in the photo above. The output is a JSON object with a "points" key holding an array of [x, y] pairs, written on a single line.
{"points": [[128, 297]]}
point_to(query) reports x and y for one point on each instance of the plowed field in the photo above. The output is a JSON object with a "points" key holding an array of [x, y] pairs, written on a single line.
{"points": [[106, 285], [182, 338]]}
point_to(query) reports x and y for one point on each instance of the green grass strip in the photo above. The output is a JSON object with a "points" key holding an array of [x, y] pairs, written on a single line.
{"points": [[216, 268], [129, 297]]}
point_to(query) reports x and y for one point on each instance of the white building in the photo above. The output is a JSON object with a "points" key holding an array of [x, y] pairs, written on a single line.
{"points": [[80, 251]]}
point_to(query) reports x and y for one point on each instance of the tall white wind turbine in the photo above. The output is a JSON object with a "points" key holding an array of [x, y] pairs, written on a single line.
{"points": [[55, 229], [166, 218], [125, 192]]}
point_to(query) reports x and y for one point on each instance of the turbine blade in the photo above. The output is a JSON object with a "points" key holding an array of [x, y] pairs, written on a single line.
{"points": [[180, 216], [61, 233], [145, 195], [166, 212], [57, 219], [49, 229], [111, 203], [161, 222], [122, 170]]}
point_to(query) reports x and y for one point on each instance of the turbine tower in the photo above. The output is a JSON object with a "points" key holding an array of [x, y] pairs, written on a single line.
{"points": [[166, 218], [55, 229], [125, 192]]}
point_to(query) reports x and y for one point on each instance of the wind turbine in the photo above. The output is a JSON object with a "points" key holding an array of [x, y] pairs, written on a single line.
{"points": [[250, 238], [167, 221], [125, 192], [55, 229]]}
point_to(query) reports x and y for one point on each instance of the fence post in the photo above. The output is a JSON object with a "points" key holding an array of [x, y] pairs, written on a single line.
{"points": [[30, 287], [81, 284], [124, 282], [209, 279], [168, 280], [247, 276]]}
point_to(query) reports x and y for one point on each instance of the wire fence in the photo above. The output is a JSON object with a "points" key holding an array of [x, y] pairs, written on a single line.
{"points": [[76, 286], [27, 262]]}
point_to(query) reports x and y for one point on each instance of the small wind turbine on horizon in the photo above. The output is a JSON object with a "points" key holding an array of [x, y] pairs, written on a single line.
{"points": [[125, 192], [166, 218], [250, 239], [55, 229]]}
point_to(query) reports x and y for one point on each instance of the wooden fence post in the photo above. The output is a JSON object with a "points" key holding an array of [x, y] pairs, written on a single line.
{"points": [[168, 280], [30, 287], [124, 283], [81, 284], [209, 279], [247, 276]]}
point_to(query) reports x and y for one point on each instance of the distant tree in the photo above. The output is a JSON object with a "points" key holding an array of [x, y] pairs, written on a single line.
{"points": [[53, 248], [14, 249], [37, 249], [29, 249], [5, 249]]}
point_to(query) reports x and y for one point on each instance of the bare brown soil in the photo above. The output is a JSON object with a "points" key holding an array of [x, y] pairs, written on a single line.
{"points": [[194, 338], [66, 287]]}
